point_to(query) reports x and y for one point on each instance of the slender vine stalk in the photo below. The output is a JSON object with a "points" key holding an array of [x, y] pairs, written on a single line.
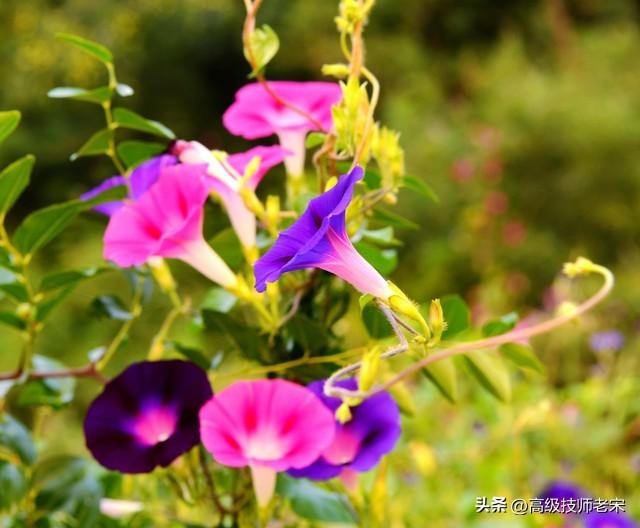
{"points": [[482, 344]]}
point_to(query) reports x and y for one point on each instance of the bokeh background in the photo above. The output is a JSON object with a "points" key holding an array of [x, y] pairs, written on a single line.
{"points": [[523, 116]]}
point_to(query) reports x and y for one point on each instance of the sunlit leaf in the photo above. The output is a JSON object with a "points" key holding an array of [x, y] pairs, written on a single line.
{"points": [[112, 307], [219, 300], [69, 278], [264, 44], [383, 260], [377, 325], [95, 145], [442, 374], [133, 153], [15, 437], [13, 181], [129, 119], [500, 326], [9, 120], [97, 95], [522, 356], [314, 139], [456, 314], [51, 392], [489, 369], [420, 186], [98, 51]]}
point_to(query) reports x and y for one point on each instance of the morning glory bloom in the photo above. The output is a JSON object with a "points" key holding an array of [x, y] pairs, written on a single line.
{"points": [[268, 425], [141, 178], [360, 443], [147, 416], [567, 491], [611, 340], [167, 222], [256, 114], [318, 239], [228, 183]]}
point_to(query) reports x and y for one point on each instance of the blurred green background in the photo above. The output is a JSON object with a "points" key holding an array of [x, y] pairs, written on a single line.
{"points": [[524, 117]]}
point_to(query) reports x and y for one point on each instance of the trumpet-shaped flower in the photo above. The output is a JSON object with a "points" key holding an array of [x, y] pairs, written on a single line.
{"points": [[141, 178], [257, 114], [318, 239], [167, 222], [227, 179], [360, 443], [268, 425], [147, 416]]}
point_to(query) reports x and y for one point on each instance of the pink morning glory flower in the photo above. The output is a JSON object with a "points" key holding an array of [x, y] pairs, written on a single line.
{"points": [[167, 222], [268, 425], [256, 114], [318, 239], [228, 183]]}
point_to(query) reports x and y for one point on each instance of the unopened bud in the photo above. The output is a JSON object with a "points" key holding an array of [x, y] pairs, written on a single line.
{"points": [[162, 274], [251, 201], [390, 198], [581, 266], [26, 311], [343, 413], [402, 305], [369, 370], [336, 70], [436, 320], [567, 309]]}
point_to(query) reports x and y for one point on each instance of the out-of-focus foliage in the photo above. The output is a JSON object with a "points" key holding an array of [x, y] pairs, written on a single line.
{"points": [[525, 119]]}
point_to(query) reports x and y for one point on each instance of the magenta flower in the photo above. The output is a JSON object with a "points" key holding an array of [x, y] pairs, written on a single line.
{"points": [[167, 222], [141, 178], [318, 239], [227, 180], [359, 444], [268, 425], [147, 416], [256, 114]]}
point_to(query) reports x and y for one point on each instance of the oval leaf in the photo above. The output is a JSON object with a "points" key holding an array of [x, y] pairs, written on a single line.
{"points": [[135, 152], [491, 372], [264, 45], [522, 356], [9, 120], [13, 180], [443, 375], [95, 145], [128, 119], [42, 226], [16, 438], [456, 315], [98, 95], [98, 51]]}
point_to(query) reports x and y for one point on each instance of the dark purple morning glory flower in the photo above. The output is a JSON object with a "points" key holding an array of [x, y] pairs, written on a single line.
{"points": [[147, 416], [141, 178], [567, 491], [607, 340], [318, 239], [360, 443]]}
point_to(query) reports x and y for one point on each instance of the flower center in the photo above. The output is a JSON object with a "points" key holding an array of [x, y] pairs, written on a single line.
{"points": [[264, 446], [155, 424], [344, 448]]}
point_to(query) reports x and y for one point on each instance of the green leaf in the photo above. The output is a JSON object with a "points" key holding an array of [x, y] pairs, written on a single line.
{"points": [[192, 354], [12, 320], [312, 502], [420, 186], [135, 152], [13, 484], [522, 356], [98, 51], [227, 245], [372, 179], [388, 218], [309, 334], [9, 120], [219, 300], [231, 335], [383, 260], [456, 314], [13, 180], [63, 279], [264, 43], [44, 308], [314, 139], [489, 369], [382, 237], [129, 119], [442, 374], [375, 322], [42, 226], [97, 95], [500, 326], [12, 286], [95, 145], [67, 484], [16, 438], [52, 392], [110, 306]]}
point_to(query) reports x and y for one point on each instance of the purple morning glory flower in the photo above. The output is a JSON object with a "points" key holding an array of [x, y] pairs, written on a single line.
{"points": [[607, 340], [318, 239], [560, 490], [360, 443], [147, 416], [141, 178]]}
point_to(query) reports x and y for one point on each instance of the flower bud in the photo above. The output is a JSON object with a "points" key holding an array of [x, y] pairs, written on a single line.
{"points": [[336, 70], [26, 311], [162, 274], [343, 413], [581, 266], [403, 306], [436, 320], [369, 370]]}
